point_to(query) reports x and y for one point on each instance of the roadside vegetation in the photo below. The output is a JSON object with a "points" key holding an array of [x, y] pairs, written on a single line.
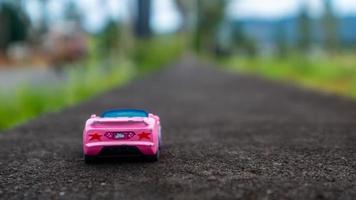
{"points": [[86, 78], [87, 61], [332, 74], [312, 52]]}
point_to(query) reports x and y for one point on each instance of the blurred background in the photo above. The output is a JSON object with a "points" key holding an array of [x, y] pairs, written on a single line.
{"points": [[55, 53]]}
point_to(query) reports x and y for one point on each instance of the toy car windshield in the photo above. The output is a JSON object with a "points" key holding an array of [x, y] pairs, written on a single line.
{"points": [[124, 113]]}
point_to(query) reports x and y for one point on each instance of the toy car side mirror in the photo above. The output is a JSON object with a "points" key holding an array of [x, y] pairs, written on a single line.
{"points": [[93, 116]]}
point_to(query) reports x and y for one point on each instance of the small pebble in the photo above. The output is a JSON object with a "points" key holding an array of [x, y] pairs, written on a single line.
{"points": [[61, 193]]}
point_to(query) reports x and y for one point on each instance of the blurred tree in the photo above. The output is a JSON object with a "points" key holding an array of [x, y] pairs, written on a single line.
{"points": [[43, 25], [330, 23], [72, 13], [142, 24], [109, 39], [210, 14], [183, 7], [242, 43], [224, 47], [187, 10], [304, 26], [281, 41], [13, 25]]}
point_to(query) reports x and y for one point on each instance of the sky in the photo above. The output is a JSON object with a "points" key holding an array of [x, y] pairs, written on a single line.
{"points": [[277, 9], [167, 19]]}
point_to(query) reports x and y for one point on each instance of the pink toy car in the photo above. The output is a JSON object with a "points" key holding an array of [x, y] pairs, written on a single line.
{"points": [[125, 132]]}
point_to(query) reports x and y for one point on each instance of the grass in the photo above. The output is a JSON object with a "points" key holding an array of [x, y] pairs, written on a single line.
{"points": [[333, 74], [86, 79], [82, 82], [152, 54]]}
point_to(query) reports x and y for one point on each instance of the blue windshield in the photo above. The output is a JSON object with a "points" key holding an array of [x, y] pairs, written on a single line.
{"points": [[124, 113]]}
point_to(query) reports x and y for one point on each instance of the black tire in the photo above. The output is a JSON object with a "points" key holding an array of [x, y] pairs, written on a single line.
{"points": [[155, 158], [89, 159]]}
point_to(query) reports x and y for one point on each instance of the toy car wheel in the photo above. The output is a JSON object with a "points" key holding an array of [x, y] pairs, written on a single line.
{"points": [[155, 157], [89, 159]]}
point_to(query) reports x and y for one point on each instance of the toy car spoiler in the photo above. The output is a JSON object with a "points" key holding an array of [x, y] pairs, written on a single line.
{"points": [[94, 120], [123, 120]]}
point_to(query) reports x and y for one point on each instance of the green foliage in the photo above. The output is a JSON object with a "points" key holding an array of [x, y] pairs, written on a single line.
{"points": [[242, 42], [13, 25], [82, 83], [210, 14], [330, 27], [281, 41], [88, 78], [304, 25], [151, 54], [335, 74], [109, 39]]}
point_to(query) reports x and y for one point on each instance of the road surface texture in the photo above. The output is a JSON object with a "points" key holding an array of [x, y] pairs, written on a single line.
{"points": [[225, 137]]}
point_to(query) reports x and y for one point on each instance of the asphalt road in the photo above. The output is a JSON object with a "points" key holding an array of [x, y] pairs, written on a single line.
{"points": [[224, 137]]}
